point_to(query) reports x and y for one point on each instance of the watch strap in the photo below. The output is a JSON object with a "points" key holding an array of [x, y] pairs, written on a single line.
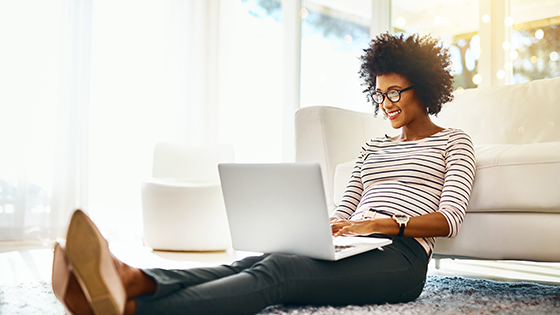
{"points": [[401, 231]]}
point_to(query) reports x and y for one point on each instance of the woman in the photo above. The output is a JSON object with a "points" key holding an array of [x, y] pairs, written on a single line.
{"points": [[413, 187]]}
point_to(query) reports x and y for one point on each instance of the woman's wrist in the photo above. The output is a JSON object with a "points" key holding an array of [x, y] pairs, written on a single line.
{"points": [[385, 226], [366, 227]]}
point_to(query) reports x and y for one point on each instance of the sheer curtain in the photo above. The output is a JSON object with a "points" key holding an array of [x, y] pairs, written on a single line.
{"points": [[43, 98], [149, 83], [204, 71], [88, 87]]}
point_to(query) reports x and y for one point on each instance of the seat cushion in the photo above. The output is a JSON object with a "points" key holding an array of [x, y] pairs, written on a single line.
{"points": [[517, 178], [518, 236], [342, 175], [509, 178]]}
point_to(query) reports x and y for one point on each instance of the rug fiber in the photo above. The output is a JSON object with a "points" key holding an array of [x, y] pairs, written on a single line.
{"points": [[441, 295]]}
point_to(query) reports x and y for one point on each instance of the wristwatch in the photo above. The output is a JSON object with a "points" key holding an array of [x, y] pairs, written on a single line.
{"points": [[401, 220]]}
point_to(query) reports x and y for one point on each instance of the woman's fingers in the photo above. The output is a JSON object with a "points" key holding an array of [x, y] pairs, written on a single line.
{"points": [[343, 230], [355, 228], [336, 226]]}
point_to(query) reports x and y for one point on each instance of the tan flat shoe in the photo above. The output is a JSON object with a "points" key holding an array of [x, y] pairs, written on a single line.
{"points": [[90, 258], [60, 276]]}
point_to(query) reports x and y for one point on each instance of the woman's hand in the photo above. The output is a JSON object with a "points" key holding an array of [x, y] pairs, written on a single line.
{"points": [[352, 228], [336, 225]]}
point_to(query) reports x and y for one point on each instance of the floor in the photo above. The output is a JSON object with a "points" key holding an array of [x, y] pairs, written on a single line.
{"points": [[32, 261]]}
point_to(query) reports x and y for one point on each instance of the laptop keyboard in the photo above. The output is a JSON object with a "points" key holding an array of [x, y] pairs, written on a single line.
{"points": [[340, 248]]}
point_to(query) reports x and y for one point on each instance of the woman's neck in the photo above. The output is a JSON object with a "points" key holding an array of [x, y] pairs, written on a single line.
{"points": [[419, 130]]}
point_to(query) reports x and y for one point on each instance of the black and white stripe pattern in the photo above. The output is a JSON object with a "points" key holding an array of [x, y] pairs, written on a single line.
{"points": [[413, 178]]}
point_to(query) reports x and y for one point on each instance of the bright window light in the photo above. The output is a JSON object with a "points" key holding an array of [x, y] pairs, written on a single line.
{"points": [[534, 59], [501, 74], [513, 54], [477, 78]]}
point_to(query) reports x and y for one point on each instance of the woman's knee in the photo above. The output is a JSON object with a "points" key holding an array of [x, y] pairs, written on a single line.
{"points": [[246, 262], [281, 266]]}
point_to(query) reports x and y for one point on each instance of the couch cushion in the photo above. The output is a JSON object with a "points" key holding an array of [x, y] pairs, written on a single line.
{"points": [[517, 178], [342, 175], [509, 178], [508, 114], [519, 236]]}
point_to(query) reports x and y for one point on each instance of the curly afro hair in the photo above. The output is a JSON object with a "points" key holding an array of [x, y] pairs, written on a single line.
{"points": [[422, 60]]}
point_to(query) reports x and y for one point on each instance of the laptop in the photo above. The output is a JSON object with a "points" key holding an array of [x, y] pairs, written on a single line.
{"points": [[281, 208]]}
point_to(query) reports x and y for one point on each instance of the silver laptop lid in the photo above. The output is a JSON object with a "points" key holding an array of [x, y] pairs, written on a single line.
{"points": [[278, 208]]}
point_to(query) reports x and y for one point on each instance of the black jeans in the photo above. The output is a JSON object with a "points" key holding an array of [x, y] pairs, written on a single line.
{"points": [[395, 274]]}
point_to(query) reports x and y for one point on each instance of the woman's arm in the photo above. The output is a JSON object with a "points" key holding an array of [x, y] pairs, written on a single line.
{"points": [[459, 178], [353, 192], [428, 225]]}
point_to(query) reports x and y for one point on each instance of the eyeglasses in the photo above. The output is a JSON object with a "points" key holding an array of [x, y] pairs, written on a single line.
{"points": [[393, 95]]}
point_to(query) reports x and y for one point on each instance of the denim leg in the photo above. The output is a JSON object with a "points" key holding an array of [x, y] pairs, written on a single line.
{"points": [[169, 281], [396, 274], [245, 292]]}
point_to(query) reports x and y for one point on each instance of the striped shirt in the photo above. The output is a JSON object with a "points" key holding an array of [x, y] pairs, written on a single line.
{"points": [[434, 174]]}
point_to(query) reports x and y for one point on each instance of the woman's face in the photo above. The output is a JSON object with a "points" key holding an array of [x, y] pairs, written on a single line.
{"points": [[406, 110]]}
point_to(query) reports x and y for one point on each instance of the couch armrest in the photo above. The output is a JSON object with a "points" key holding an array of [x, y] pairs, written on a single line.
{"points": [[330, 136]]}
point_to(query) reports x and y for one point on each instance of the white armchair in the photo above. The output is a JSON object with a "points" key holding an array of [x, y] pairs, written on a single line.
{"points": [[182, 204]]}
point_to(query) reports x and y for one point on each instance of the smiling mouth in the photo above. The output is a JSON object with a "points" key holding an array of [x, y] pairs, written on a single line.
{"points": [[393, 115]]}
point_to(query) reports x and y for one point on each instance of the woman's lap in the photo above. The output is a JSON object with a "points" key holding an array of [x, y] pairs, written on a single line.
{"points": [[396, 274]]}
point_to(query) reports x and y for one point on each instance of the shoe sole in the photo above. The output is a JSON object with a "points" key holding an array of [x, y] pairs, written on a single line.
{"points": [[90, 258]]}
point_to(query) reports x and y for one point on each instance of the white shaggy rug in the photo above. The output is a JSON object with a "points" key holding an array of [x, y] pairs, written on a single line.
{"points": [[441, 295]]}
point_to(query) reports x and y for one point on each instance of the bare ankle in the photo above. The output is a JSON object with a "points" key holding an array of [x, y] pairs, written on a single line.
{"points": [[130, 307], [135, 282], [146, 283], [138, 283]]}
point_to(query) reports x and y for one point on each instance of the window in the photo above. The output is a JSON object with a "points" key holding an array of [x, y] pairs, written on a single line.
{"points": [[251, 79], [334, 34], [454, 22], [535, 40]]}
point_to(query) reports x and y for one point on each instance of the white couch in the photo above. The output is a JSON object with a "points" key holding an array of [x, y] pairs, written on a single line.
{"points": [[514, 211]]}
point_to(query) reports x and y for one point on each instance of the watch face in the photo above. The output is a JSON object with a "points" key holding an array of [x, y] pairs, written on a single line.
{"points": [[401, 219]]}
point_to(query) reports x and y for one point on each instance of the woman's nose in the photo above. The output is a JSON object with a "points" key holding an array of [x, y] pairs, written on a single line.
{"points": [[387, 103]]}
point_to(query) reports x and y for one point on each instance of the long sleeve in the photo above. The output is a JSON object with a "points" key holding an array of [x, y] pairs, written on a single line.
{"points": [[353, 192], [458, 180]]}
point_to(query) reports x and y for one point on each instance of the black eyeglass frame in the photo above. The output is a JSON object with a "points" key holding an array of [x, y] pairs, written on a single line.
{"points": [[386, 95]]}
